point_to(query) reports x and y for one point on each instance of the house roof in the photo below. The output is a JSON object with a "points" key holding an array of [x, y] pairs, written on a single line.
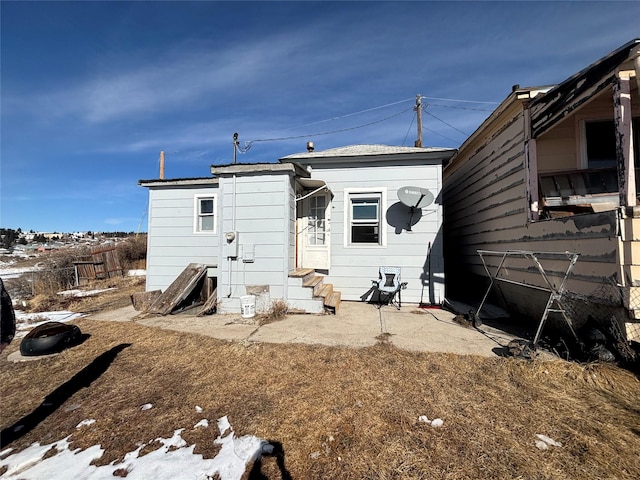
{"points": [[368, 151], [564, 98], [518, 95], [161, 182], [352, 155], [551, 103], [256, 168]]}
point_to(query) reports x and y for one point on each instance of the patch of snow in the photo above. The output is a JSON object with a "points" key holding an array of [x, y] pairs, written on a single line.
{"points": [[169, 462], [25, 322], [541, 445], [136, 273], [437, 422], [146, 406], [198, 409], [15, 272], [547, 441], [202, 423], [83, 293], [86, 423], [223, 424]]}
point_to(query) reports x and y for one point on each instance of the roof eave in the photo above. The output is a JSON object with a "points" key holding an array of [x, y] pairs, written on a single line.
{"points": [[257, 168], [432, 154], [170, 182]]}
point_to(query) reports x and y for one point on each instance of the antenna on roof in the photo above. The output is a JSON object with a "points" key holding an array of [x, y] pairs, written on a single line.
{"points": [[235, 146], [418, 109]]}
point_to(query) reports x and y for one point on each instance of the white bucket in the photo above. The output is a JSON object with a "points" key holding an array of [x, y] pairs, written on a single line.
{"points": [[248, 306]]}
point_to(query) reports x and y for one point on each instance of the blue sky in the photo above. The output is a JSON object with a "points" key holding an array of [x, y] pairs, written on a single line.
{"points": [[91, 92]]}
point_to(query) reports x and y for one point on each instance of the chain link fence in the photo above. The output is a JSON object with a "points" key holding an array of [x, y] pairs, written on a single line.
{"points": [[601, 321], [633, 327], [43, 281]]}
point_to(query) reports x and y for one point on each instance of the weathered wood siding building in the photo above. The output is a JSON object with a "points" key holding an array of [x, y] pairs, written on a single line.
{"points": [[553, 169]]}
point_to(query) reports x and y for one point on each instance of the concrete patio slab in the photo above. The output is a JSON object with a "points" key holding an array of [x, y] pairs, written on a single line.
{"points": [[357, 324]]}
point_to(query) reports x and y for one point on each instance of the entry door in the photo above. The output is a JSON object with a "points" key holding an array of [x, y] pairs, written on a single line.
{"points": [[315, 234]]}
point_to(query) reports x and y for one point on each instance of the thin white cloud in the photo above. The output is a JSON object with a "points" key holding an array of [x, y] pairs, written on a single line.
{"points": [[177, 80]]}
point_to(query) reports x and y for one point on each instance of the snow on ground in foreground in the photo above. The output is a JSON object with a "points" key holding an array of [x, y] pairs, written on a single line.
{"points": [[25, 322], [173, 461]]}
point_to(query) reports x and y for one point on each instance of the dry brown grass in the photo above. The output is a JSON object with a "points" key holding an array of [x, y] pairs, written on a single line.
{"points": [[277, 311], [338, 412], [118, 295]]}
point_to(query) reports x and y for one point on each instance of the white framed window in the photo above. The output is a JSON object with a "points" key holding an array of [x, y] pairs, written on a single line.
{"points": [[204, 219], [364, 217]]}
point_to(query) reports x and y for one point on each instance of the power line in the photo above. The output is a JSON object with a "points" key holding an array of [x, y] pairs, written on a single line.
{"points": [[440, 135], [349, 114], [408, 129], [461, 101], [396, 103], [460, 108], [249, 143], [447, 124]]}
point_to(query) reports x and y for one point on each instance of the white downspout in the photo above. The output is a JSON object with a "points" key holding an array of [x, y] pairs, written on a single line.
{"points": [[233, 229]]}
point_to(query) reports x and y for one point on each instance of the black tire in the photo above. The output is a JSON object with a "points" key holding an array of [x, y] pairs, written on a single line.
{"points": [[48, 338]]}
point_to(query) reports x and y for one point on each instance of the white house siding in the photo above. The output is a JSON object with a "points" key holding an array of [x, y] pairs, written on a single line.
{"points": [[262, 215], [291, 260], [172, 243], [353, 267]]}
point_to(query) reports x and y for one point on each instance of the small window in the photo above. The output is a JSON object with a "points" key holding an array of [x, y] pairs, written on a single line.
{"points": [[601, 143], [365, 225], [205, 216]]}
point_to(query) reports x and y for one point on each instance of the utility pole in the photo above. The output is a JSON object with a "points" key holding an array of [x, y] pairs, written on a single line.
{"points": [[235, 146], [161, 165], [418, 109]]}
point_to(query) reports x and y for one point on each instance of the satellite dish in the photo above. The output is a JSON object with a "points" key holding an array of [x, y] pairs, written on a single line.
{"points": [[415, 197]]}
